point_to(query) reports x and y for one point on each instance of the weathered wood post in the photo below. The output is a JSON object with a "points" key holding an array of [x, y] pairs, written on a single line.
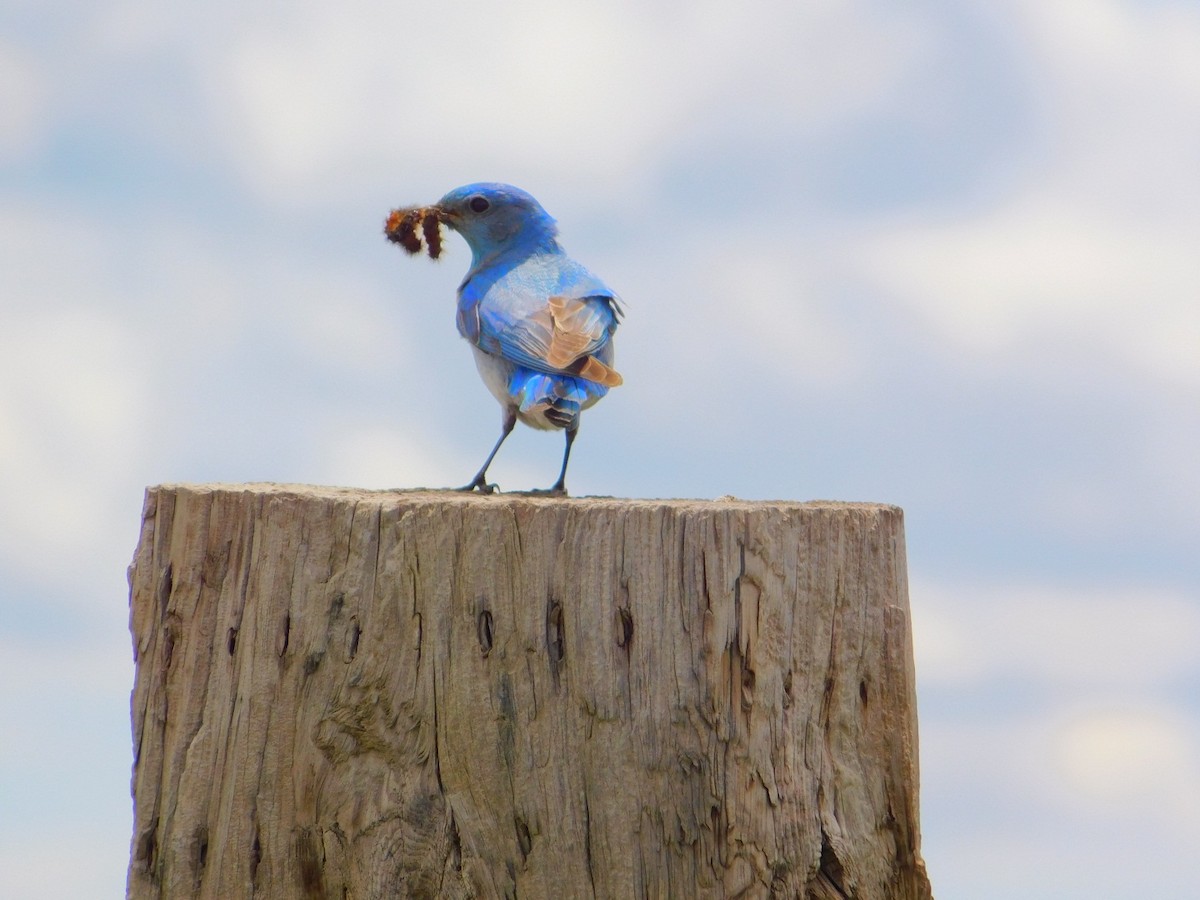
{"points": [[353, 694]]}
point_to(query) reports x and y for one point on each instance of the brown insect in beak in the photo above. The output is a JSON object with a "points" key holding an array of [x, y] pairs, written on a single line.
{"points": [[431, 228], [401, 228]]}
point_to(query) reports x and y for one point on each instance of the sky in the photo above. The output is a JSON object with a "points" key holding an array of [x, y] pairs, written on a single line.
{"points": [[937, 254]]}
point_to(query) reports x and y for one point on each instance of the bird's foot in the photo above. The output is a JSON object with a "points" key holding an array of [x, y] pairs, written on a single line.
{"points": [[479, 484], [558, 490]]}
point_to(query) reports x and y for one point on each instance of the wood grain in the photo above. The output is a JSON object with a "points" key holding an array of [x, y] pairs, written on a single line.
{"points": [[353, 694]]}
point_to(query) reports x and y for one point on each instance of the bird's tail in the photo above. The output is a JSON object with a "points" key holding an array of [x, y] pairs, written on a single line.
{"points": [[553, 401]]}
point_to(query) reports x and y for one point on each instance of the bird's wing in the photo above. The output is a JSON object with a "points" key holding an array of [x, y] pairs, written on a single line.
{"points": [[562, 337]]}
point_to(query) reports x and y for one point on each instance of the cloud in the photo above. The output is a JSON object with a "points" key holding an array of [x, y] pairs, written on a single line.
{"points": [[70, 399], [380, 456], [23, 101], [756, 300], [1038, 265], [91, 670], [1065, 641], [64, 763], [327, 98], [776, 309], [1134, 757], [1083, 793], [1047, 720], [383, 456], [309, 106], [1117, 758], [1118, 79], [1093, 246], [31, 863]]}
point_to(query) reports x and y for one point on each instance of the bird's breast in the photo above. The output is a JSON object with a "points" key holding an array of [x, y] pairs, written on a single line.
{"points": [[495, 372]]}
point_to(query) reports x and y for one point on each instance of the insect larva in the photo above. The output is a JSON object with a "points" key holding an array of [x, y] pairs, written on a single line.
{"points": [[401, 228], [431, 227]]}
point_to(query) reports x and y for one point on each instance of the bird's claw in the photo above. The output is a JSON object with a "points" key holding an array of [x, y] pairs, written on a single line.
{"points": [[479, 485], [558, 490]]}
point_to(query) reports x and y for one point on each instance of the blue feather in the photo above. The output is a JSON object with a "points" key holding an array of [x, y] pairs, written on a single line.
{"points": [[540, 323]]}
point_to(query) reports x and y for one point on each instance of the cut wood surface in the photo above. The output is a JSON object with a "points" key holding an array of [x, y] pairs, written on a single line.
{"points": [[366, 694]]}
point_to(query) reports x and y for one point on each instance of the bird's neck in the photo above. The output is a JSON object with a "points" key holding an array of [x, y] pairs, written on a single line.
{"points": [[522, 246]]}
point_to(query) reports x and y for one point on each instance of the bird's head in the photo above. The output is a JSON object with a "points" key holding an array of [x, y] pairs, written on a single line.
{"points": [[496, 217]]}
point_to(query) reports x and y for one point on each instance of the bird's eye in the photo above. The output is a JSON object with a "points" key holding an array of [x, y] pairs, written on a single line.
{"points": [[479, 204]]}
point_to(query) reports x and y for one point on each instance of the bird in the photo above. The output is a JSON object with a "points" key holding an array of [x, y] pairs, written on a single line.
{"points": [[540, 325]]}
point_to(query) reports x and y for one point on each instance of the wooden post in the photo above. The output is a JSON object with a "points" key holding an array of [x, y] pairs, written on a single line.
{"points": [[354, 694]]}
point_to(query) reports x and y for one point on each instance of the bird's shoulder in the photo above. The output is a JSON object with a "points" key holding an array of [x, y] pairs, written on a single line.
{"points": [[527, 286]]}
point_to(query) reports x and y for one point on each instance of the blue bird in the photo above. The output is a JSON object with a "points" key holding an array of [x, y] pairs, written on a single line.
{"points": [[540, 324]]}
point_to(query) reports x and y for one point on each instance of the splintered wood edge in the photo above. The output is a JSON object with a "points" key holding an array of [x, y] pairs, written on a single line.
{"points": [[453, 497]]}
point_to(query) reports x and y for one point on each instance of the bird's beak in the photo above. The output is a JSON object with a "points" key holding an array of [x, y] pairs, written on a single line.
{"points": [[444, 215]]}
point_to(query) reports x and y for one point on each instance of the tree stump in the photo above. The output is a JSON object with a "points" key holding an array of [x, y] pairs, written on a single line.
{"points": [[362, 694]]}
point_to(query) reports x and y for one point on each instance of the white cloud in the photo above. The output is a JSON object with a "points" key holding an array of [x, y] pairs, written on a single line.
{"points": [[1095, 249], [74, 399], [990, 283], [1171, 449], [1118, 758], [329, 315], [98, 667], [305, 106], [1093, 761], [1062, 860], [308, 104], [770, 306], [64, 762], [1072, 759], [1083, 792], [31, 863], [1118, 81], [70, 399], [1077, 640], [23, 96], [379, 456]]}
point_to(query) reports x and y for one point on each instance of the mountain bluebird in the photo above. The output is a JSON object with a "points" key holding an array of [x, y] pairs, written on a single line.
{"points": [[540, 324]]}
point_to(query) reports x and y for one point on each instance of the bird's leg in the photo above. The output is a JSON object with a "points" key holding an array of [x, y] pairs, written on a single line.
{"points": [[480, 479], [560, 486]]}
